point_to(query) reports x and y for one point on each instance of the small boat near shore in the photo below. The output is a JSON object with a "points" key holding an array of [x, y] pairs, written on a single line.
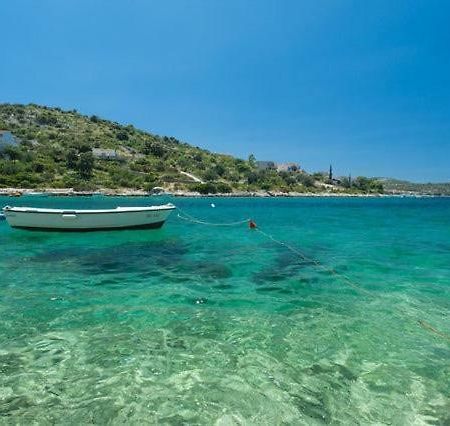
{"points": [[87, 220]]}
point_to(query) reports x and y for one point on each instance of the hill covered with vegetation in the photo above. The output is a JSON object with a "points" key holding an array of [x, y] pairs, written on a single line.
{"points": [[65, 149], [401, 186]]}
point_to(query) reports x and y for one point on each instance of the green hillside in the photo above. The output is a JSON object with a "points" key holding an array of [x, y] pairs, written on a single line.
{"points": [[401, 186], [59, 149]]}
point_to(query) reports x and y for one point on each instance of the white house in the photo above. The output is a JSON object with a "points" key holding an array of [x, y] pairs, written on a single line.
{"points": [[288, 167]]}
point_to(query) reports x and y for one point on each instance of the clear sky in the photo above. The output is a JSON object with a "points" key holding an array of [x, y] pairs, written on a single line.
{"points": [[364, 85]]}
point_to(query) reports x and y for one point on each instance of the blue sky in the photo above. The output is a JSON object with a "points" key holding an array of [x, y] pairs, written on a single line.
{"points": [[362, 85]]}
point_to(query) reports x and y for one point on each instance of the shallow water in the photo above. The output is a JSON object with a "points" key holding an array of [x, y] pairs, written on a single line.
{"points": [[213, 325]]}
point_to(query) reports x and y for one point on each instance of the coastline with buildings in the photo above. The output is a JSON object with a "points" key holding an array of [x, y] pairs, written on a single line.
{"points": [[58, 152]]}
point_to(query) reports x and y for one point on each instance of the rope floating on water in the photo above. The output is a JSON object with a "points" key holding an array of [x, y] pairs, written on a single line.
{"points": [[429, 327], [252, 225], [315, 261], [423, 324], [187, 217]]}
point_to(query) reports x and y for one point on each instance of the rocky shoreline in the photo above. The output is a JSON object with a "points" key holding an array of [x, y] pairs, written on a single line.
{"points": [[70, 192]]}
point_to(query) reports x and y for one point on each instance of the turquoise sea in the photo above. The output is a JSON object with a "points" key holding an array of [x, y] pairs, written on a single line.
{"points": [[194, 324]]}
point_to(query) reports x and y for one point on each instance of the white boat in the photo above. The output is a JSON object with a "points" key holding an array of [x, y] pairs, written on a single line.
{"points": [[87, 220]]}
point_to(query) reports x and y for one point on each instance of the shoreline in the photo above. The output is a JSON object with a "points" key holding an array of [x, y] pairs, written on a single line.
{"points": [[70, 192]]}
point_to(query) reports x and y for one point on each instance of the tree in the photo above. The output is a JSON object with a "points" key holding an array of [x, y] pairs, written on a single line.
{"points": [[210, 175], [242, 166], [8, 168], [38, 167], [47, 119], [84, 147], [154, 148], [362, 183], [197, 157], [252, 160], [85, 165], [346, 182], [219, 169], [320, 176], [12, 152], [72, 159], [205, 188], [252, 178], [122, 135], [305, 179], [223, 188], [368, 184], [288, 178]]}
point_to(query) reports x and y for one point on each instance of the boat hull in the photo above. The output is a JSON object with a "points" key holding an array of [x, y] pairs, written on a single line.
{"points": [[85, 220]]}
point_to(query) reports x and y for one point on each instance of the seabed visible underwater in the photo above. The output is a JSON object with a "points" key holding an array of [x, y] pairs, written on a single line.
{"points": [[196, 324]]}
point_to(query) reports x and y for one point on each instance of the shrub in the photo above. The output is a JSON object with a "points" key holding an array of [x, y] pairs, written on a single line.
{"points": [[368, 185], [204, 188], [211, 188], [210, 175], [47, 119], [122, 135], [71, 159], [38, 167], [154, 148], [305, 179], [85, 165], [223, 188]]}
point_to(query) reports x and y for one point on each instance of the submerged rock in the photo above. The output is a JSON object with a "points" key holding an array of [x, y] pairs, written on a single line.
{"points": [[141, 257], [332, 370], [201, 270], [212, 270], [287, 265]]}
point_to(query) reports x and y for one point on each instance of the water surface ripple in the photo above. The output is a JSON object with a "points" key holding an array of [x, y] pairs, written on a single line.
{"points": [[209, 325]]}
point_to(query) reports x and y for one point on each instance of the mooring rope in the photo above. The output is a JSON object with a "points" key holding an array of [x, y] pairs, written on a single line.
{"points": [[423, 324], [429, 327], [315, 261], [187, 217]]}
